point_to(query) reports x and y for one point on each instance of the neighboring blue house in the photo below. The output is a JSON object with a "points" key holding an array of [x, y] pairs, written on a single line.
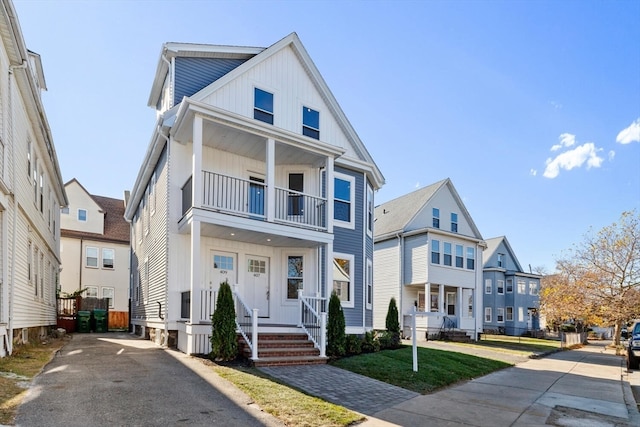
{"points": [[255, 176], [511, 296]]}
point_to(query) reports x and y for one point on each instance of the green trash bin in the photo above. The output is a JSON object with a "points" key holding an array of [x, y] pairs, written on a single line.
{"points": [[84, 318], [100, 315]]}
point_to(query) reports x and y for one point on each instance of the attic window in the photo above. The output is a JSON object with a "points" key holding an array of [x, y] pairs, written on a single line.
{"points": [[263, 106], [310, 123]]}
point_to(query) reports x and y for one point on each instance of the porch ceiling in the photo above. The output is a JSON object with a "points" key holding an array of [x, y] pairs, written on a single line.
{"points": [[254, 237], [251, 145]]}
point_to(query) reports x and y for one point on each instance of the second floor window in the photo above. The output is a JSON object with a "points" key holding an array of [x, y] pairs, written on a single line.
{"points": [[310, 123], [459, 258], [263, 106], [447, 253], [343, 198], [435, 252], [500, 286], [509, 286], [471, 258], [107, 258], [92, 257]]}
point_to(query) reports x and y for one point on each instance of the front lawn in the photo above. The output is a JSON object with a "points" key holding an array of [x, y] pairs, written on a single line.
{"points": [[436, 368]]}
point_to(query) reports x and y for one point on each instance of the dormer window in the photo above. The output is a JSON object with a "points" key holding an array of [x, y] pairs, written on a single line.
{"points": [[263, 106], [310, 123]]}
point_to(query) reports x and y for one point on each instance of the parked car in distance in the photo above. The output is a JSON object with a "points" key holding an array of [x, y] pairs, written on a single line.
{"points": [[633, 349]]}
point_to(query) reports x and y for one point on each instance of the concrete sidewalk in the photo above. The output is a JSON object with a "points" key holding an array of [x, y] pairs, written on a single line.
{"points": [[583, 387]]}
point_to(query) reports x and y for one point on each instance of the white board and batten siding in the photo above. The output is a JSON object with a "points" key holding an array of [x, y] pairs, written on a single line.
{"points": [[283, 75]]}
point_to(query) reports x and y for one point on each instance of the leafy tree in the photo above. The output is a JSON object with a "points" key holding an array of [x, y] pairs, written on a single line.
{"points": [[336, 338], [392, 324], [600, 281], [224, 341]]}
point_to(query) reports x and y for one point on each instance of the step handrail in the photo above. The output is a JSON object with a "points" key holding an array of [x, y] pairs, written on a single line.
{"points": [[313, 320], [246, 322]]}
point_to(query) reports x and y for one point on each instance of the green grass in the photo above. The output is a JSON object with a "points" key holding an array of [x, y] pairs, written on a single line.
{"points": [[521, 344], [436, 368], [289, 405]]}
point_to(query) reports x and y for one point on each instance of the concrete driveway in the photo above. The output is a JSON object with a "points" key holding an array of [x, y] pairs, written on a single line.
{"points": [[117, 379]]}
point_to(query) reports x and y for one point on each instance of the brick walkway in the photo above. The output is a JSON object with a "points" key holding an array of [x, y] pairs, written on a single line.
{"points": [[356, 392]]}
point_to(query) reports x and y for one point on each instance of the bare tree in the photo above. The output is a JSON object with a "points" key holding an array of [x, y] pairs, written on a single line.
{"points": [[600, 280]]}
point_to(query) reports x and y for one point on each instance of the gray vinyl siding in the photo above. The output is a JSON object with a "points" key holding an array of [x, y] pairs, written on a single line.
{"points": [[194, 74], [154, 249], [350, 241]]}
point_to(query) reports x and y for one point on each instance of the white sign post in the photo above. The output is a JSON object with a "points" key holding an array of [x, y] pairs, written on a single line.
{"points": [[414, 339]]}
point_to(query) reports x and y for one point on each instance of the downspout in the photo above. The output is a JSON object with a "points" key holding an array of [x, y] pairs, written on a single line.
{"points": [[165, 342], [401, 278], [23, 65], [80, 268], [365, 212]]}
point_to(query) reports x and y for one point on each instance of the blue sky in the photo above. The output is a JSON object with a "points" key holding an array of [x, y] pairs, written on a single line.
{"points": [[532, 108]]}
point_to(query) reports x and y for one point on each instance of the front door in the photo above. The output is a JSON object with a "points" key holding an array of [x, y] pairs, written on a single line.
{"points": [[257, 284], [451, 303], [224, 268]]}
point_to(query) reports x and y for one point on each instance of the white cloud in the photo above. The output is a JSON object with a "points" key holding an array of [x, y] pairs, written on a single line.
{"points": [[630, 134], [612, 155], [417, 185], [585, 153], [533, 172], [566, 140]]}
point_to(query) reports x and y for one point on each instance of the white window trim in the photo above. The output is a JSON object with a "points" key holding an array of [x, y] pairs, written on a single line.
{"points": [[498, 314], [112, 259], [352, 263], [369, 281], [522, 291], [95, 288], [498, 287], [86, 257], [531, 288], [352, 202], [488, 286], [487, 314], [113, 291], [369, 202], [506, 314]]}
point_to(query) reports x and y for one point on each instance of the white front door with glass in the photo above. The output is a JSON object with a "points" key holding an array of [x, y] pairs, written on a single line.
{"points": [[224, 268], [256, 288]]}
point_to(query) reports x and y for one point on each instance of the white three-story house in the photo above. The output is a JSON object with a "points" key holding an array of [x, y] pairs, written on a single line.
{"points": [[253, 176]]}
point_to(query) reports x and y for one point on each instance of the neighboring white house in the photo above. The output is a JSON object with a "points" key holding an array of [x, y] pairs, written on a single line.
{"points": [[428, 255], [95, 250], [31, 194], [255, 176], [511, 295]]}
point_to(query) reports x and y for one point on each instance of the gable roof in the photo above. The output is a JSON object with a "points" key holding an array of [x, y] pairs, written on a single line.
{"points": [[394, 216], [116, 228], [492, 246]]}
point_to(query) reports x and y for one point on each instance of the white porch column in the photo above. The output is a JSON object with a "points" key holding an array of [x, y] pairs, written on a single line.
{"points": [[442, 304], [459, 305], [271, 179], [330, 190], [427, 297], [195, 284], [196, 167], [328, 272]]}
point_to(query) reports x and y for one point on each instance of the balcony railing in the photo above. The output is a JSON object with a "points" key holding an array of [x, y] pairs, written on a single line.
{"points": [[243, 197]]}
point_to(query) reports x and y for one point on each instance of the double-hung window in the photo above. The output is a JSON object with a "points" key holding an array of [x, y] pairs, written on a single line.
{"points": [[471, 258], [454, 222], [436, 217], [343, 270], [500, 287], [487, 314], [500, 260], [522, 287], [509, 286], [447, 253], [533, 288], [82, 215], [263, 106], [500, 315], [459, 257], [107, 258], [344, 195], [310, 123], [509, 314], [487, 286], [92, 257], [435, 251]]}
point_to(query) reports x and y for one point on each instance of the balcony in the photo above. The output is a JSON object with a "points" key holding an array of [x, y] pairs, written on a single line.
{"points": [[248, 198]]}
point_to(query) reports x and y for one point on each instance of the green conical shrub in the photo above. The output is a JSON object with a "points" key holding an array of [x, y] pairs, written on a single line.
{"points": [[336, 338], [392, 324], [224, 341]]}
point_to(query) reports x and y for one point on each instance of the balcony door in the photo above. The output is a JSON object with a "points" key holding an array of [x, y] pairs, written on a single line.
{"points": [[295, 205], [256, 196]]}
